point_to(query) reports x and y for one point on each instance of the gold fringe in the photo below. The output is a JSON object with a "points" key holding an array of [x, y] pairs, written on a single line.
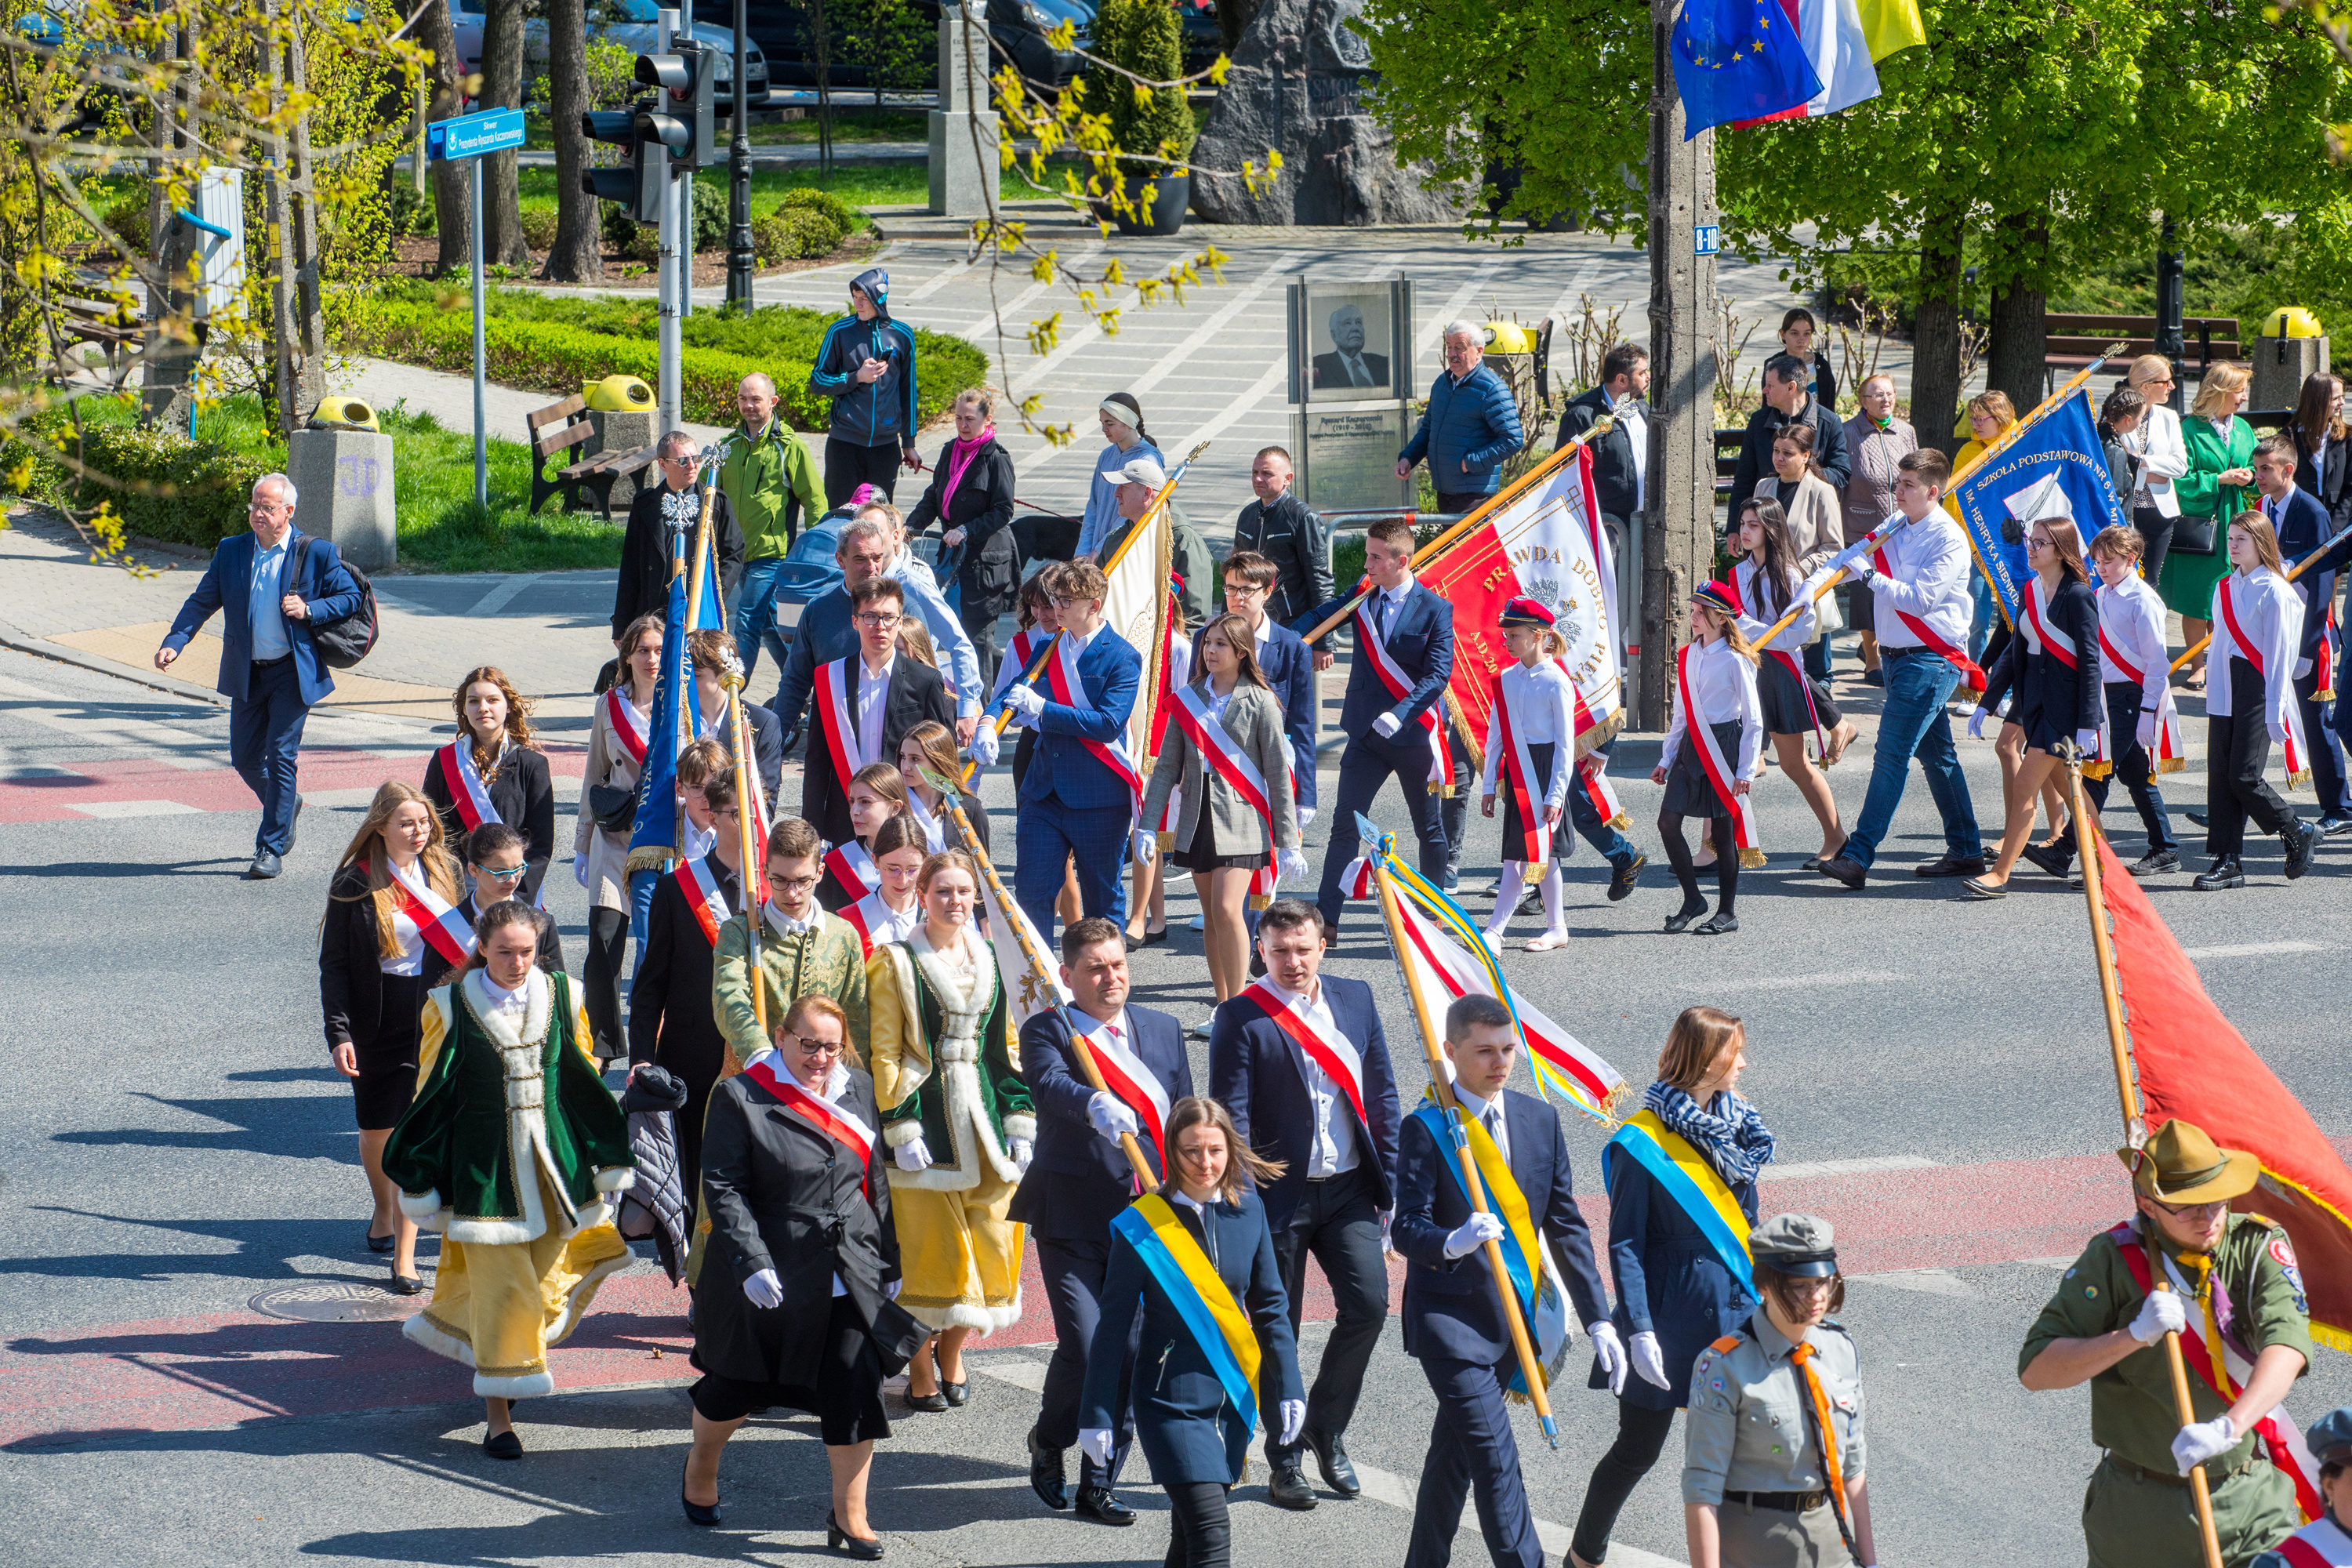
{"points": [[1750, 859], [1257, 901], [1619, 1098], [1600, 734], [2327, 696], [2299, 780], [1621, 821], [650, 858], [2172, 766], [2097, 770], [1166, 841]]}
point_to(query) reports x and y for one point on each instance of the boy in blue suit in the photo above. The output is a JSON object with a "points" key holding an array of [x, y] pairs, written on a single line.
{"points": [[1452, 1317], [272, 584], [2303, 525]]}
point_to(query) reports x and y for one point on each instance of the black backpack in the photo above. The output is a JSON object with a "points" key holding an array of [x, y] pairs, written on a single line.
{"points": [[341, 643]]}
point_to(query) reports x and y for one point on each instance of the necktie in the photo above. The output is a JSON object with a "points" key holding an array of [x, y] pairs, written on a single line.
{"points": [[1384, 604], [1817, 1417], [1363, 377]]}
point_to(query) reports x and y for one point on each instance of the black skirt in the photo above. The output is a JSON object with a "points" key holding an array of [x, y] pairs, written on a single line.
{"points": [[1688, 793], [847, 1397], [1783, 697], [1200, 854], [1515, 828], [387, 1063]]}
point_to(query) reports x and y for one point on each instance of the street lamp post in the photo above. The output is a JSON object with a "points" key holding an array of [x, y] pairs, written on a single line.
{"points": [[740, 258]]}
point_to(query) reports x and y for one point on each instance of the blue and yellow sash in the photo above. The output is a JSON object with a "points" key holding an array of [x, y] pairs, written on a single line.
{"points": [[1690, 1181], [1194, 1287], [1540, 1307]]}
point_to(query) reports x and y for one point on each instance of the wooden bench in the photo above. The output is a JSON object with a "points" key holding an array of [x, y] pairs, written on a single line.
{"points": [[554, 431], [121, 333], [2075, 341]]}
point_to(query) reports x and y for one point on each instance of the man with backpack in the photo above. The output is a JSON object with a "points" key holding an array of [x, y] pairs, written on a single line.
{"points": [[289, 604]]}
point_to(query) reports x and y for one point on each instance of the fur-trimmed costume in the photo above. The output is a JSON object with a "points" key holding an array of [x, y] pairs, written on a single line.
{"points": [[513, 1149], [941, 1054]]}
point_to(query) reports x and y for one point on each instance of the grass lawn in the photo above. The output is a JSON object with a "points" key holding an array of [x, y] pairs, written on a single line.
{"points": [[851, 123], [890, 184]]}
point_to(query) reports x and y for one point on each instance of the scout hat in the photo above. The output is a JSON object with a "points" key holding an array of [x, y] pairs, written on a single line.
{"points": [[1524, 612], [1798, 1244], [2181, 1165], [2329, 1438], [1715, 597]]}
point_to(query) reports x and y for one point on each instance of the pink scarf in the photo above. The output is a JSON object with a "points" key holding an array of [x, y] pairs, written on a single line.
{"points": [[959, 456]]}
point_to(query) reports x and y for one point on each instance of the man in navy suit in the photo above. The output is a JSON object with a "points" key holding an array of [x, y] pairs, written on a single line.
{"points": [[1301, 1063], [2301, 521], [272, 590], [1385, 732], [1454, 1321], [1079, 796], [1079, 1180]]}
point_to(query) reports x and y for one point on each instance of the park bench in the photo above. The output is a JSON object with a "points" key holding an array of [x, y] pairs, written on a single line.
{"points": [[555, 430], [2075, 341]]}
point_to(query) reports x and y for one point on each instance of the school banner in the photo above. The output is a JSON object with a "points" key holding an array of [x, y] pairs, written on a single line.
{"points": [[2052, 466]]}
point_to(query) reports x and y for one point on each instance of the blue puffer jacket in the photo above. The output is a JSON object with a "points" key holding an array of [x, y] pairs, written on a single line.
{"points": [[868, 414], [1475, 423]]}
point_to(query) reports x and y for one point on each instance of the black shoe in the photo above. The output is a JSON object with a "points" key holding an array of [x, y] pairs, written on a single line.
{"points": [[2224, 872], [2331, 827], [502, 1445], [1097, 1504], [406, 1284], [958, 1394], [1679, 922], [1331, 1459], [1287, 1488], [1721, 925], [1845, 873], [1048, 1478], [2152, 863], [1530, 902], [2055, 861], [1953, 866], [2301, 839], [1874, 677], [932, 1403], [1623, 880], [266, 865], [378, 1244], [2195, 817], [696, 1513], [865, 1548]]}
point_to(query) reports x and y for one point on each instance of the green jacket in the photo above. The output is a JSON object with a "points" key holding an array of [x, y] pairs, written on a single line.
{"points": [[765, 477], [966, 1100], [829, 960], [2210, 454]]}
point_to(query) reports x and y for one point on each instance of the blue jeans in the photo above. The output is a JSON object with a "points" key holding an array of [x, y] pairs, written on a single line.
{"points": [[265, 740], [1817, 658], [1914, 724], [754, 613], [1585, 817], [1980, 614]]}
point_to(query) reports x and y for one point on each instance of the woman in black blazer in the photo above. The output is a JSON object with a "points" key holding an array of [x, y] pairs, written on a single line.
{"points": [[496, 750], [801, 1259], [2320, 452], [971, 499], [2052, 664], [376, 966]]}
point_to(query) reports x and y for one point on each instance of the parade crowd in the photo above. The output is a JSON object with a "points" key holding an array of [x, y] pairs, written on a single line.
{"points": [[843, 1127]]}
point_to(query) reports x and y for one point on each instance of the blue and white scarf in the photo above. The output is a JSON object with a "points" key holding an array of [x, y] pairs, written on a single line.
{"points": [[1733, 1137]]}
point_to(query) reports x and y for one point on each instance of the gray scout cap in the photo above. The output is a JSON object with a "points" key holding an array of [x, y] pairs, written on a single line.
{"points": [[1800, 1244], [2329, 1438]]}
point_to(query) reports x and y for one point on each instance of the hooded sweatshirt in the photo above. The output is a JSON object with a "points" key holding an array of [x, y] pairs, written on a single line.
{"points": [[876, 414]]}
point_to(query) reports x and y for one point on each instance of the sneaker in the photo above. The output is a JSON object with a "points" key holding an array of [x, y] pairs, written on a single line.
{"points": [[1200, 1031], [2151, 864]]}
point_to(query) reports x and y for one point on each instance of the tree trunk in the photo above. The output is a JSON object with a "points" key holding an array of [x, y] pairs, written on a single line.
{"points": [[578, 255], [279, 208], [452, 213], [2020, 335], [502, 239], [1936, 337]]}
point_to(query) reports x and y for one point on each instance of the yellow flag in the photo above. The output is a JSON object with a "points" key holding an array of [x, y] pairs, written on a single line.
{"points": [[1891, 25]]}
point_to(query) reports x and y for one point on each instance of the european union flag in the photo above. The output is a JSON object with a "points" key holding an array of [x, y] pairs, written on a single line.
{"points": [[2056, 466], [1738, 59]]}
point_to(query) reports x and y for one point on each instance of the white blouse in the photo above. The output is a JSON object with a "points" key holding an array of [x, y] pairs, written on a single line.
{"points": [[1542, 701], [1747, 577], [2270, 614], [1723, 685], [2131, 616]]}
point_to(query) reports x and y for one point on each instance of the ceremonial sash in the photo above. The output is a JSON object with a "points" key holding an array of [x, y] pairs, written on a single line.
{"points": [[2322, 667], [420, 912], [2298, 768], [834, 1121], [1062, 675], [1218, 750], [853, 916], [2171, 746], [456, 762], [1958, 660], [1691, 1180], [1205, 1306], [1786, 661], [853, 867], [1441, 755], [1024, 648], [703, 897], [1698, 732], [934, 824], [832, 719], [2217, 1360], [2319, 1544], [1593, 778], [2045, 637], [1332, 1053], [870, 915], [1541, 1305], [1519, 773], [1136, 1086], [632, 735]]}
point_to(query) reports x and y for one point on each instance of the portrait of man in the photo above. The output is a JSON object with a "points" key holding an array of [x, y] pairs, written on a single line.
{"points": [[1349, 366]]}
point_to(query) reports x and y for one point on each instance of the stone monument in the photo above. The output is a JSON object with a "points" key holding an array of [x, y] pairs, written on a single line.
{"points": [[342, 487], [1297, 87], [962, 173]]}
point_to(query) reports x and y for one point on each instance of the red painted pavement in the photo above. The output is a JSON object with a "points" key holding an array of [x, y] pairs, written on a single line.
{"points": [[51, 797]]}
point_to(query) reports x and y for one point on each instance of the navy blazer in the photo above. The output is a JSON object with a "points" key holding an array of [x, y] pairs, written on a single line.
{"points": [[2051, 697], [1253, 1075], [1187, 1429], [1063, 768], [1669, 1281], [326, 587], [1420, 640], [2303, 527], [1078, 1179], [1451, 1310], [1288, 665]]}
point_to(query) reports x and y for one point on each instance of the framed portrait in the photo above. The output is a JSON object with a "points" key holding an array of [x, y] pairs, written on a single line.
{"points": [[1351, 343]]}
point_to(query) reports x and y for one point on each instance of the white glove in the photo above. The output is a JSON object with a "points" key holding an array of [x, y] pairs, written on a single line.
{"points": [[1024, 1151], [2159, 1315], [2202, 1440], [1147, 846], [1111, 1115], [2088, 740], [580, 870], [2147, 731], [1306, 817], [1387, 725], [892, 1289], [1977, 723], [1861, 571], [1473, 1234], [1813, 585], [1293, 1419], [764, 1290], [2278, 732], [1025, 700], [913, 1156], [1291, 865], [983, 744], [1649, 1362], [1094, 1442], [1609, 1351]]}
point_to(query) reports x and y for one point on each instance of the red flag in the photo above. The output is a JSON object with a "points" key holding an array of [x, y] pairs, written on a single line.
{"points": [[2193, 1065]]}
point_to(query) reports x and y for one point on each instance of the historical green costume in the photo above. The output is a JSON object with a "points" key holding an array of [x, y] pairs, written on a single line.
{"points": [[827, 960]]}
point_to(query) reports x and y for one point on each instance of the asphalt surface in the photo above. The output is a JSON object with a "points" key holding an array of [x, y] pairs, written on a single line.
{"points": [[173, 1144]]}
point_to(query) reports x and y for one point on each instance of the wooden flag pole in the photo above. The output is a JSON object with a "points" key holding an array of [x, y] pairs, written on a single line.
{"points": [[741, 722]]}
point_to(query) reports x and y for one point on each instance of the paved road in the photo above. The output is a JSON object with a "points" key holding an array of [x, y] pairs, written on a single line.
{"points": [[174, 1144]]}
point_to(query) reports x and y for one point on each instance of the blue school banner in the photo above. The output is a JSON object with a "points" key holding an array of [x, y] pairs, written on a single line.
{"points": [[2053, 467]]}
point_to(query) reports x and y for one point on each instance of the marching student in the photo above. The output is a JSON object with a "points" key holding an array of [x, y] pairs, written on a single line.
{"points": [[617, 901], [804, 950], [1299, 1059], [1710, 758], [494, 772], [1251, 584], [495, 866], [2059, 697], [1038, 624], [1767, 578], [392, 927], [932, 747], [891, 910], [1453, 1322], [712, 654], [2326, 1541], [2257, 637], [877, 793], [1192, 1274], [2303, 524], [1080, 1182], [1918, 580], [2143, 734], [1531, 747], [864, 706]]}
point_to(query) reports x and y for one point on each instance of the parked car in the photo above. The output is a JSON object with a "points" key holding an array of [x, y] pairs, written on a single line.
{"points": [[633, 28], [1018, 28]]}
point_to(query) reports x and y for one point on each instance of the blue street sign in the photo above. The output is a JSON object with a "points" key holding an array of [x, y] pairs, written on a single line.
{"points": [[1706, 240], [472, 135]]}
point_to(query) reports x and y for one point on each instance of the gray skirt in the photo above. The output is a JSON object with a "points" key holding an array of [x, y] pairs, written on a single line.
{"points": [[1688, 793]]}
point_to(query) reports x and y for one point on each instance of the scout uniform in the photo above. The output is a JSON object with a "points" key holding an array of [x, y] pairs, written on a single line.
{"points": [[2325, 1541], [2139, 1510], [1754, 1450]]}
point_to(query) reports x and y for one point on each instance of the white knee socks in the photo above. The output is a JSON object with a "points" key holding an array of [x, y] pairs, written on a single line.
{"points": [[1507, 897]]}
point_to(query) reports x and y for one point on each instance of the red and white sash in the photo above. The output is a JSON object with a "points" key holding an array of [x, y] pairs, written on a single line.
{"points": [[2298, 764], [2323, 664], [2216, 1359], [2041, 634], [1518, 775], [1698, 732], [2171, 746], [870, 915], [934, 824], [1369, 641], [703, 897], [1190, 712], [853, 867], [1971, 673], [1786, 661], [417, 911], [836, 1123], [831, 706], [2319, 1544], [1593, 778], [1062, 677], [1136, 1086], [456, 762], [622, 718], [1332, 1052], [855, 916]]}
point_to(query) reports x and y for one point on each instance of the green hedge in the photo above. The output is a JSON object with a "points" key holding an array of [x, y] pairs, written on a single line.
{"points": [[176, 490]]}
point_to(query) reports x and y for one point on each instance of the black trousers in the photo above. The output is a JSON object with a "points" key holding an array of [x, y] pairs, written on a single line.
{"points": [[2134, 766], [1364, 767], [2156, 538], [2319, 738], [608, 942], [980, 627], [1073, 1272], [1454, 811], [1338, 1222], [1640, 1438], [1199, 1531], [847, 466], [2237, 749], [1459, 502]]}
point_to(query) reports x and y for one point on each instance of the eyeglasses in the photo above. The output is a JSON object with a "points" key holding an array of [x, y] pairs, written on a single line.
{"points": [[810, 1044], [2037, 542], [792, 881], [1069, 602], [2192, 1211], [878, 620]]}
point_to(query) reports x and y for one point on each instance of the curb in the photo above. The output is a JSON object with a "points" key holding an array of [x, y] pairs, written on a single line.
{"points": [[21, 642]]}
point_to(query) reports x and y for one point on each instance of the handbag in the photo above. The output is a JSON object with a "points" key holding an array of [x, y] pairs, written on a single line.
{"points": [[2193, 535], [614, 808], [897, 1335]]}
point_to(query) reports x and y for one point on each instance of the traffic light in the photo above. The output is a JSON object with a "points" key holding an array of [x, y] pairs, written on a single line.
{"points": [[641, 182], [681, 120]]}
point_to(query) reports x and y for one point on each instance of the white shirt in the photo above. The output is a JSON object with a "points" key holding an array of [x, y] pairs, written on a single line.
{"points": [[1334, 1149], [1747, 577], [873, 692], [1387, 604], [505, 1002], [2163, 456], [1541, 701], [1115, 1026], [1723, 684], [1475, 1110], [411, 957], [2272, 617], [885, 924], [2131, 616], [1359, 372], [1635, 418], [783, 924], [1928, 582]]}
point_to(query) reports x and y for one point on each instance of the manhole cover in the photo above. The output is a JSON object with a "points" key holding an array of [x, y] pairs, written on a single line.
{"points": [[335, 1301]]}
